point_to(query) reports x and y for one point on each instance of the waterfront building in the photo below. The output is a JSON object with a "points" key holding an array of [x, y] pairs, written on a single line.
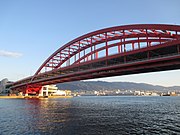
{"points": [[138, 93], [154, 94], [5, 86], [52, 90], [173, 93], [147, 93]]}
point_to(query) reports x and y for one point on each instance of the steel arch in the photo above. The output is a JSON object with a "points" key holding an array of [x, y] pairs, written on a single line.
{"points": [[134, 36], [137, 44]]}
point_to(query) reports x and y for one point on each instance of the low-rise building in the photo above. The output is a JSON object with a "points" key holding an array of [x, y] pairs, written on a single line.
{"points": [[52, 90], [145, 93], [5, 86]]}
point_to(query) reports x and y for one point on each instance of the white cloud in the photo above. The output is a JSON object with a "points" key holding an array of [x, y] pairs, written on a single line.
{"points": [[10, 54]]}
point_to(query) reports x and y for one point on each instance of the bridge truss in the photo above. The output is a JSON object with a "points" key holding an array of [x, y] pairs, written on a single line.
{"points": [[108, 52]]}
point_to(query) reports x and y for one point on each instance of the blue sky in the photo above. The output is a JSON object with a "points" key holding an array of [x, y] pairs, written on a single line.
{"points": [[31, 30]]}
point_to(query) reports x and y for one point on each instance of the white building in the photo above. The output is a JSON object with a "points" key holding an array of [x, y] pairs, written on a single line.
{"points": [[52, 90], [47, 90], [59, 93]]}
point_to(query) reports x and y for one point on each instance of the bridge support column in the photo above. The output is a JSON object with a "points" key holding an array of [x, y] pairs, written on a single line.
{"points": [[47, 92], [26, 93], [40, 92]]}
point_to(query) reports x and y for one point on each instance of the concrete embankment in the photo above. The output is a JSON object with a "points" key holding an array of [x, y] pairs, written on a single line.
{"points": [[6, 97], [60, 96], [38, 97]]}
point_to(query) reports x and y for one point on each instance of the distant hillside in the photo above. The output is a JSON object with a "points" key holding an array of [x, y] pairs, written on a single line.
{"points": [[101, 85]]}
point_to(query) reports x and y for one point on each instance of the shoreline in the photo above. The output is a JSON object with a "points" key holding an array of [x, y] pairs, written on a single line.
{"points": [[32, 97]]}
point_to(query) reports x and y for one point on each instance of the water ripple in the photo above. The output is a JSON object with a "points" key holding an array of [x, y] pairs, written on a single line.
{"points": [[91, 116]]}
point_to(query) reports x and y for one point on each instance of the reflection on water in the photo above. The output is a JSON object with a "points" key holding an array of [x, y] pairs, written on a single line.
{"points": [[91, 115]]}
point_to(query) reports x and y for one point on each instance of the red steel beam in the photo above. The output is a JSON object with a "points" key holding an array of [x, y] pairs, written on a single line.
{"points": [[151, 32]]}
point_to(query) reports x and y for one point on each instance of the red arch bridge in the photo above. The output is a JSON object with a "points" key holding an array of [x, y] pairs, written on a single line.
{"points": [[121, 50]]}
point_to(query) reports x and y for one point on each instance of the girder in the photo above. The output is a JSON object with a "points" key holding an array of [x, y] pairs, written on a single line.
{"points": [[107, 48], [123, 33]]}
